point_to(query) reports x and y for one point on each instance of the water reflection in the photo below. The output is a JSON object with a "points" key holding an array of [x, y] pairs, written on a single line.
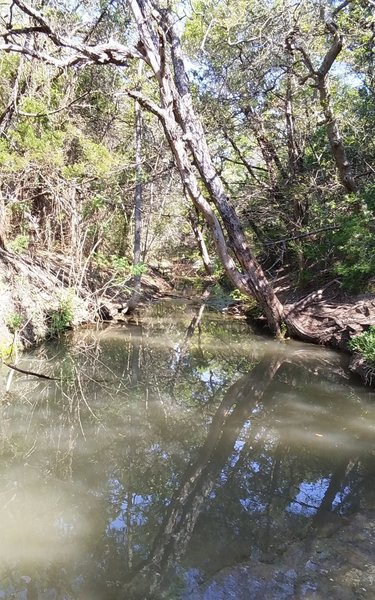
{"points": [[172, 449]]}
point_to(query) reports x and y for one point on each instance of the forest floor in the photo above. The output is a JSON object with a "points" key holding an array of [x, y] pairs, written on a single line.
{"points": [[42, 294]]}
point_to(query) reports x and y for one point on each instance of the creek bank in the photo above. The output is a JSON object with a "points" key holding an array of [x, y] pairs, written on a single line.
{"points": [[330, 318], [334, 321], [43, 294], [359, 366]]}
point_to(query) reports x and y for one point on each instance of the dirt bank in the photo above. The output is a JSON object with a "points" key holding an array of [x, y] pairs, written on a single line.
{"points": [[41, 295]]}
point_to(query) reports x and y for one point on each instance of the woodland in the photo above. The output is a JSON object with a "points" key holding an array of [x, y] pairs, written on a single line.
{"points": [[230, 139]]}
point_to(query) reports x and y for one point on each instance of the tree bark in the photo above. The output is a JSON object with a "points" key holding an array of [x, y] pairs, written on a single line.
{"points": [[320, 78], [3, 223], [266, 146], [186, 136], [335, 140], [201, 243], [138, 185]]}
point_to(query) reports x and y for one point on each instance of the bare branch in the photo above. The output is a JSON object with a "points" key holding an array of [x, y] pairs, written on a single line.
{"points": [[109, 53], [302, 235], [306, 60], [331, 55], [47, 58], [340, 7], [146, 103], [57, 110], [212, 23]]}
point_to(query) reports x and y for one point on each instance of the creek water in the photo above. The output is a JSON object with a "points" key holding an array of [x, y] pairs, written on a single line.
{"points": [[183, 456]]}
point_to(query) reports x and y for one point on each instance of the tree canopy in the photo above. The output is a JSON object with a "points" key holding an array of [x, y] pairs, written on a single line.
{"points": [[259, 114]]}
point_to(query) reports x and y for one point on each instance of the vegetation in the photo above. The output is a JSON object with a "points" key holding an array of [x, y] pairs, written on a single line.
{"points": [[61, 318], [257, 155], [14, 322], [364, 344]]}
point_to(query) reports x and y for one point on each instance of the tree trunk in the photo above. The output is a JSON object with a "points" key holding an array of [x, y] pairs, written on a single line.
{"points": [[335, 141], [138, 186], [3, 223], [138, 193], [201, 243], [185, 135], [266, 146], [319, 77]]}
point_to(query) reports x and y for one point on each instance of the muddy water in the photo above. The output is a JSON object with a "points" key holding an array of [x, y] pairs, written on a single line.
{"points": [[185, 457]]}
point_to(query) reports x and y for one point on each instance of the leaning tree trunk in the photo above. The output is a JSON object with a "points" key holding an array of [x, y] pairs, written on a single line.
{"points": [[339, 154], [320, 78], [202, 248], [186, 138]]}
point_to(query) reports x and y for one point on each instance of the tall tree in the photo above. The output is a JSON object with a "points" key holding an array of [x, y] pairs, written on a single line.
{"points": [[319, 77], [186, 136], [159, 47], [260, 67]]}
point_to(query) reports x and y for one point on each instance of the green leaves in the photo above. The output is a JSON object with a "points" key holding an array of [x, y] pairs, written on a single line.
{"points": [[364, 344]]}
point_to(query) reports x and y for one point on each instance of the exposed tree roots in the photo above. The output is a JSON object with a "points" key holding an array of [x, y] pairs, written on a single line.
{"points": [[33, 287], [330, 322]]}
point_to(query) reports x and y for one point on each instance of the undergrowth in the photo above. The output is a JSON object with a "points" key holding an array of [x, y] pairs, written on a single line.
{"points": [[364, 344]]}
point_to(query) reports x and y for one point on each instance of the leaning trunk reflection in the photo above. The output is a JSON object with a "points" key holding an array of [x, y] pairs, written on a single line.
{"points": [[186, 504], [163, 457]]}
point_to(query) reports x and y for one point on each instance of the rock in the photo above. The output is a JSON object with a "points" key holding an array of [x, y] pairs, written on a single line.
{"points": [[364, 370]]}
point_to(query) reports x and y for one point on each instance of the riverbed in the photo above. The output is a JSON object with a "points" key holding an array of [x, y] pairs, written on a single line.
{"points": [[185, 456]]}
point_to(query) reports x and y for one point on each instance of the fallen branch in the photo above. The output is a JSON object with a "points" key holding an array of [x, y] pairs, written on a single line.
{"points": [[42, 376], [302, 235], [33, 373]]}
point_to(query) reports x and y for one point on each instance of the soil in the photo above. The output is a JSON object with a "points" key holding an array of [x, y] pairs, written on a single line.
{"points": [[33, 287]]}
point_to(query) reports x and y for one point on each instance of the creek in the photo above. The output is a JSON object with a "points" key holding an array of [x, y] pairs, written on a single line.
{"points": [[185, 456]]}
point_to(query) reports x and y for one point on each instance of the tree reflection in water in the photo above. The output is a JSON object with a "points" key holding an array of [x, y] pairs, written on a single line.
{"points": [[162, 453]]}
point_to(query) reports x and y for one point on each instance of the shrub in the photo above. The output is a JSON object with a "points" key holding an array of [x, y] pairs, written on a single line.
{"points": [[14, 322], [61, 318], [364, 344], [19, 244]]}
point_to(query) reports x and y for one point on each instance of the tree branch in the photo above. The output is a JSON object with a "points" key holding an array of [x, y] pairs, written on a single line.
{"points": [[109, 53], [340, 7], [146, 103], [302, 235], [332, 54]]}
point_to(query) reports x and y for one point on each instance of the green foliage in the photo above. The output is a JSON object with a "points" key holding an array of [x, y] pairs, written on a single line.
{"points": [[7, 350], [354, 246], [364, 344], [61, 319], [138, 269], [348, 250], [250, 304], [93, 160], [94, 204], [368, 196], [36, 139], [19, 244], [14, 322], [118, 265], [283, 330]]}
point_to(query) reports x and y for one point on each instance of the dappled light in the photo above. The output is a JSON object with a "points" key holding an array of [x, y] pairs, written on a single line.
{"points": [[115, 472]]}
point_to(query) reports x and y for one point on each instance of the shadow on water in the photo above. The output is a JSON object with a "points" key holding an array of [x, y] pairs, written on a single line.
{"points": [[182, 456]]}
